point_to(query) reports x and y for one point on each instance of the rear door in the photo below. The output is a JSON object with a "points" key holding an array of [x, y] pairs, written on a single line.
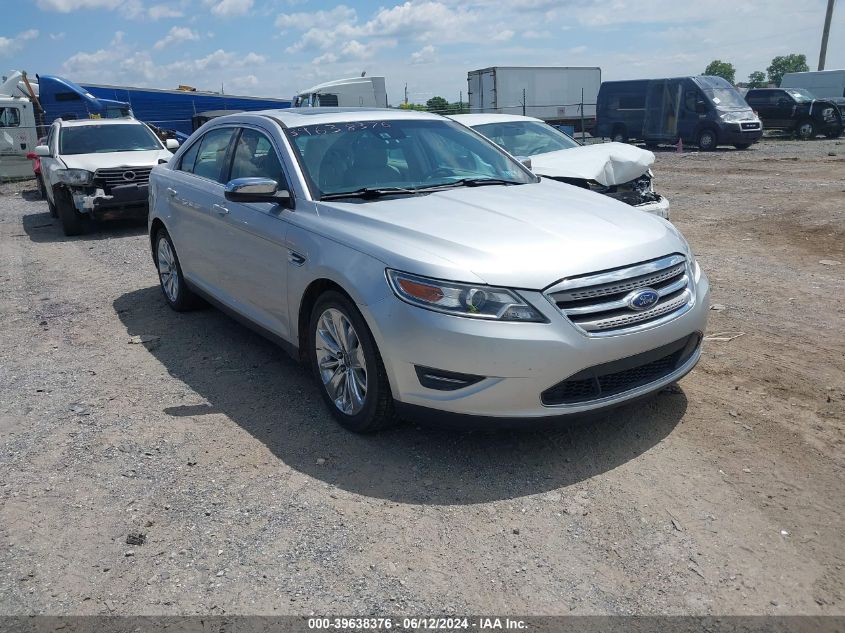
{"points": [[662, 109]]}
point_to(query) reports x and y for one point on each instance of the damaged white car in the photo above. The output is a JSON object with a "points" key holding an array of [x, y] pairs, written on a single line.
{"points": [[618, 170], [99, 169]]}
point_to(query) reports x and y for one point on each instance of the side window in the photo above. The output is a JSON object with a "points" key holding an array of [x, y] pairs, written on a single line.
{"points": [[777, 96], [753, 99], [10, 117], [256, 158], [189, 158], [210, 160]]}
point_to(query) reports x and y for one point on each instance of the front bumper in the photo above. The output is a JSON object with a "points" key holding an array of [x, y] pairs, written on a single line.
{"points": [[659, 207], [733, 133], [519, 361], [122, 201]]}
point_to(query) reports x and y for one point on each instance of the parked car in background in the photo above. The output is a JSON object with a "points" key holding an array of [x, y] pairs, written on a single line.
{"points": [[704, 110], [796, 110], [617, 170], [36, 169], [99, 169], [420, 270]]}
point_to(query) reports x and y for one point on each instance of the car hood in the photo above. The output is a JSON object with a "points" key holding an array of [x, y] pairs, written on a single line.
{"points": [[606, 163], [526, 236], [106, 160]]}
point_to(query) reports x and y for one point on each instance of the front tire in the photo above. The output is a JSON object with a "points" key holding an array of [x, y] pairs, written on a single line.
{"points": [[347, 366], [707, 140], [173, 286], [805, 130], [72, 221]]}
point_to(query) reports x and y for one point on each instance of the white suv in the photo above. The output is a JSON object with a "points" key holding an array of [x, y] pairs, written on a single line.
{"points": [[99, 169]]}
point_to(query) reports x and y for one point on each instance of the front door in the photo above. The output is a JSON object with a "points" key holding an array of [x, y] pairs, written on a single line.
{"points": [[254, 257]]}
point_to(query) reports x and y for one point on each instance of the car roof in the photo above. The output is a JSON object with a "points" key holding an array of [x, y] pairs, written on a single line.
{"points": [[296, 117], [483, 119], [83, 122]]}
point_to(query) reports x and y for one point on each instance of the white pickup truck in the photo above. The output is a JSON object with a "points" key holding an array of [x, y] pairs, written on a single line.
{"points": [[99, 169]]}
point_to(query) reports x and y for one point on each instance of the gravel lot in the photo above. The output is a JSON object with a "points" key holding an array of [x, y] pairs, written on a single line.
{"points": [[725, 496]]}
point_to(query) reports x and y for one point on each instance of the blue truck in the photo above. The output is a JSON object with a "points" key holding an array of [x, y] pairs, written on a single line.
{"points": [[174, 110]]}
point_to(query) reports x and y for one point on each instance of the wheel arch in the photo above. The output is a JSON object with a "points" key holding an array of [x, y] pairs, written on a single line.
{"points": [[313, 292], [155, 226]]}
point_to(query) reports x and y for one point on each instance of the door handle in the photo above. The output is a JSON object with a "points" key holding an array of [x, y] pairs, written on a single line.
{"points": [[295, 258], [220, 209], [171, 192]]}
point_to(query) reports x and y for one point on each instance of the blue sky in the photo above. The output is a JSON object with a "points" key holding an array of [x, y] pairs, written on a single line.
{"points": [[277, 47]]}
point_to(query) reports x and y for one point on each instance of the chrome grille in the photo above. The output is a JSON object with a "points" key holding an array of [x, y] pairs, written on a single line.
{"points": [[114, 176], [600, 304]]}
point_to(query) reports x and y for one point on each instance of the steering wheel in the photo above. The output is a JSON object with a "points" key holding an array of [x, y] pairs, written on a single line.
{"points": [[440, 171]]}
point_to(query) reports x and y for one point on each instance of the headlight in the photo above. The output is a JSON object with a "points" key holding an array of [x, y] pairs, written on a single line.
{"points": [[467, 300], [74, 176]]}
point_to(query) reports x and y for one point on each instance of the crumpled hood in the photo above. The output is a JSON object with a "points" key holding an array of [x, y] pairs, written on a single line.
{"points": [[606, 163], [107, 160], [525, 236]]}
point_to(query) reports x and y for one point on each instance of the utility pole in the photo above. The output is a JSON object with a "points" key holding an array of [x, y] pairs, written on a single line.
{"points": [[406, 94], [523, 102], [825, 33]]}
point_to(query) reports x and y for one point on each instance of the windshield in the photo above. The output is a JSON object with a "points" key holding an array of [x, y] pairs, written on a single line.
{"points": [[97, 139], [405, 154], [723, 95], [526, 138], [801, 95]]}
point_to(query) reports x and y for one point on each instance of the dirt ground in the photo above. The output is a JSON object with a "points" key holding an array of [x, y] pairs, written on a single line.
{"points": [[725, 496]]}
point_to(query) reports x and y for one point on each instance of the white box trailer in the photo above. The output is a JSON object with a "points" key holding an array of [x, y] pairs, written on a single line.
{"points": [[824, 84], [552, 93]]}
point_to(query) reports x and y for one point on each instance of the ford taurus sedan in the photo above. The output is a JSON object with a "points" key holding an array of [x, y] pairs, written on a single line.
{"points": [[419, 270]]}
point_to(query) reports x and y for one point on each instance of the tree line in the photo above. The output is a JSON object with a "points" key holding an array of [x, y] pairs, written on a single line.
{"points": [[782, 64]]}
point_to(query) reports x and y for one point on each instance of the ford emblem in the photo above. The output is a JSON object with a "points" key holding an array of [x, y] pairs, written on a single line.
{"points": [[642, 299]]}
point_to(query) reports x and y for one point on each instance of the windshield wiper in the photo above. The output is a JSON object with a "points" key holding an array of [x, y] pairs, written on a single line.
{"points": [[471, 182], [368, 192]]}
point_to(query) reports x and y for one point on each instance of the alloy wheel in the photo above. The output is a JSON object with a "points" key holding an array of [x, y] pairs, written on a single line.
{"points": [[340, 361], [167, 271]]}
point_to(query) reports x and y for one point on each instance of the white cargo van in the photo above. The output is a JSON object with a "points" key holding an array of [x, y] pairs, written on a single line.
{"points": [[18, 137]]}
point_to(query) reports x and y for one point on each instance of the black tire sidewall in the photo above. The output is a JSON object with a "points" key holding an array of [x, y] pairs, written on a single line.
{"points": [[813, 129], [72, 221], [704, 134], [366, 420], [183, 296]]}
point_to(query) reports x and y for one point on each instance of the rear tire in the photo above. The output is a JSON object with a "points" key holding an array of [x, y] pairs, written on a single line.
{"points": [[73, 223], [805, 130], [347, 366], [742, 145], [173, 286], [835, 132], [707, 140]]}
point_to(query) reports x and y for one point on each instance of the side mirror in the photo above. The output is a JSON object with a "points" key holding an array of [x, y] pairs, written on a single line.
{"points": [[256, 190], [42, 150], [172, 144], [701, 108], [525, 160]]}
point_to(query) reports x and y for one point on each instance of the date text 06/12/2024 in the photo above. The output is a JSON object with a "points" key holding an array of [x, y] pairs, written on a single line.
{"points": [[415, 624]]}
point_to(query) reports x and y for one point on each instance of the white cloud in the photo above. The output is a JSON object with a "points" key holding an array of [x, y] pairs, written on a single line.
{"points": [[325, 19], [424, 56], [160, 11], [225, 8], [9, 45], [176, 35], [56, 37], [66, 6]]}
